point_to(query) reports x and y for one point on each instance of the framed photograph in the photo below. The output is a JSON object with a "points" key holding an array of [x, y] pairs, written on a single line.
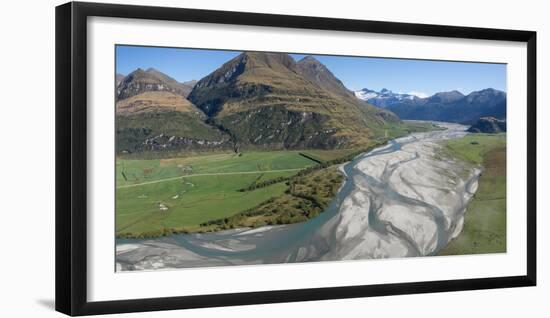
{"points": [[208, 158]]}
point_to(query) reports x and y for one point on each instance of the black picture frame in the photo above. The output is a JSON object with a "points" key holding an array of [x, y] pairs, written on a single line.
{"points": [[71, 157]]}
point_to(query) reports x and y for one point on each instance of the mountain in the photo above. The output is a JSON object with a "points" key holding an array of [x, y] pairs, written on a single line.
{"points": [[384, 98], [161, 120], [366, 94], [450, 106], [269, 100], [118, 78], [140, 81], [488, 125], [156, 102], [445, 97], [190, 84], [315, 71]]}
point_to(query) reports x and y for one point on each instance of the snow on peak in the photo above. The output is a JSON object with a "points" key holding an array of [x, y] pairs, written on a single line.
{"points": [[365, 94]]}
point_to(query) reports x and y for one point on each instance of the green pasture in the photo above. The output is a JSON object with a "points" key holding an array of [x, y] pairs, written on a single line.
{"points": [[485, 219], [176, 193], [474, 147], [129, 171]]}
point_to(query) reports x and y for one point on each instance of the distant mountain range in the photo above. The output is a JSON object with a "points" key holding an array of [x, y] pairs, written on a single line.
{"points": [[450, 106]]}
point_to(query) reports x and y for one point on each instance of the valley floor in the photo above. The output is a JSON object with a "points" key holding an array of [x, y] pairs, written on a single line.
{"points": [[213, 191], [403, 199]]}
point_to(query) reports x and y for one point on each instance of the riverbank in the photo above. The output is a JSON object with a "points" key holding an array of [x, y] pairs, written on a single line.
{"points": [[485, 219]]}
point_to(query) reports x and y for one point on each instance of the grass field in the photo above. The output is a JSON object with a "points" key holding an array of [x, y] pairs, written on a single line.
{"points": [[485, 219], [130, 171], [473, 147], [304, 198], [153, 195]]}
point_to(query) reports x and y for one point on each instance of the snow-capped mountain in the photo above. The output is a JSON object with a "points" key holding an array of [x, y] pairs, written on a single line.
{"points": [[383, 98], [452, 106], [366, 94]]}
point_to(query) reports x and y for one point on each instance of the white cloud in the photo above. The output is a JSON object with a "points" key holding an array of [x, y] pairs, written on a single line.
{"points": [[418, 94]]}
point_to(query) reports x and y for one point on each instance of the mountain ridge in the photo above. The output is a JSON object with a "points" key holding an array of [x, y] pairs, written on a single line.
{"points": [[269, 99], [151, 79], [317, 72], [451, 106], [152, 114]]}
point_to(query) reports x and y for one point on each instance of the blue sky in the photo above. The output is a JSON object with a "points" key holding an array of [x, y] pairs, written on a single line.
{"points": [[421, 77]]}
